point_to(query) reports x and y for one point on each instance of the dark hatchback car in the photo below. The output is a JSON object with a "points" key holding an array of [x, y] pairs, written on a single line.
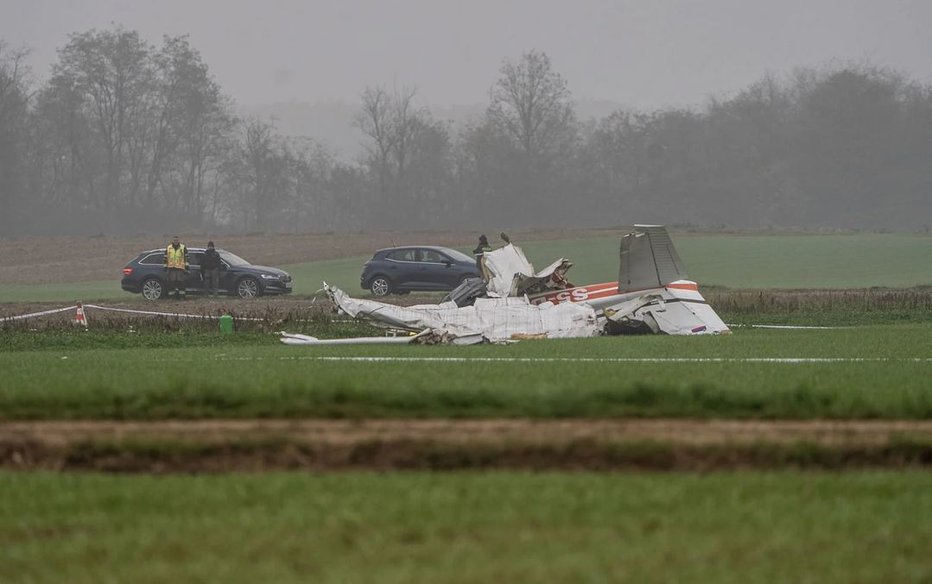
{"points": [[145, 275], [416, 268]]}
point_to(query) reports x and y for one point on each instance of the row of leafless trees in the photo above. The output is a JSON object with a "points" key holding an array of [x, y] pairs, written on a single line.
{"points": [[129, 137], [122, 134]]}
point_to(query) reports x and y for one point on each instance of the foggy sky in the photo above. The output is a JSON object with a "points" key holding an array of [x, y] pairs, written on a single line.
{"points": [[642, 53]]}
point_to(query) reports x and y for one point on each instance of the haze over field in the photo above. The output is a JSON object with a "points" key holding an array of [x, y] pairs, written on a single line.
{"points": [[647, 55], [310, 116]]}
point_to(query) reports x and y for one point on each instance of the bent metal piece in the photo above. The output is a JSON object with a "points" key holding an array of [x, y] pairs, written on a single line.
{"points": [[508, 272], [297, 339], [670, 310]]}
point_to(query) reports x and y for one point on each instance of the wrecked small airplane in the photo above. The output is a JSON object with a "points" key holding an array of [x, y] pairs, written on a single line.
{"points": [[513, 302]]}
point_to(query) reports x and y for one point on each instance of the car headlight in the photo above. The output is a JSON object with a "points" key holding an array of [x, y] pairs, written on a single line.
{"points": [[268, 277]]}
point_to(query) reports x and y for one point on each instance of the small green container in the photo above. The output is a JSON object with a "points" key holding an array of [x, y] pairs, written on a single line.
{"points": [[226, 323]]}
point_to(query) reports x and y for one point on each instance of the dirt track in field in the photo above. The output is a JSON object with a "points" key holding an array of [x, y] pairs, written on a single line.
{"points": [[687, 431], [44, 260], [327, 445], [257, 307]]}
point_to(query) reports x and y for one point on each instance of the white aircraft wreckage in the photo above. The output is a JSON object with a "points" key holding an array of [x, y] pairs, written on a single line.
{"points": [[513, 302]]}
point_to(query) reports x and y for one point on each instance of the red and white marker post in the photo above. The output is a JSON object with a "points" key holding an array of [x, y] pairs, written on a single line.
{"points": [[79, 316]]}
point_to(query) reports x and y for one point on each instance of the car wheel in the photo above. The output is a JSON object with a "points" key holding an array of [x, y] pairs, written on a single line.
{"points": [[152, 289], [380, 286], [247, 288]]}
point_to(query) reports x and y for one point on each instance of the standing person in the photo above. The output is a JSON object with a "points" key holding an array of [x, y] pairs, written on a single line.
{"points": [[176, 267], [210, 269], [481, 249]]}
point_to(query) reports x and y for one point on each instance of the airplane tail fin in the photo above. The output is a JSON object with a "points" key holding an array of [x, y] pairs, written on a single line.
{"points": [[648, 259]]}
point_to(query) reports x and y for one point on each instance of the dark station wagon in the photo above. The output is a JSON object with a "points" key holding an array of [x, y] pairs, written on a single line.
{"points": [[145, 275], [416, 268]]}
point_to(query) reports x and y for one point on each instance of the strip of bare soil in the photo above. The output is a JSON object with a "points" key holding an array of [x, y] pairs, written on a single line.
{"points": [[271, 307], [330, 445]]}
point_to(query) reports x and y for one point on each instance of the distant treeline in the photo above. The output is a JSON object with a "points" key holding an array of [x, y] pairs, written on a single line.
{"points": [[130, 137]]}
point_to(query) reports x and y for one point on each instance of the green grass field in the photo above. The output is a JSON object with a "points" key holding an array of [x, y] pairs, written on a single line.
{"points": [[69, 375], [743, 526], [497, 527], [736, 261]]}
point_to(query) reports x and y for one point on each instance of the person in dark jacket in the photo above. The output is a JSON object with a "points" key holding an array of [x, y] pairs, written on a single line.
{"points": [[481, 249], [210, 269]]}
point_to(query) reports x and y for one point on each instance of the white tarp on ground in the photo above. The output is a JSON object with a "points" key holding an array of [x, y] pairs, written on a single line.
{"points": [[491, 319]]}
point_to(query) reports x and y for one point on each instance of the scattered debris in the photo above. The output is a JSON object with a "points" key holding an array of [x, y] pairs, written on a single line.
{"points": [[513, 302]]}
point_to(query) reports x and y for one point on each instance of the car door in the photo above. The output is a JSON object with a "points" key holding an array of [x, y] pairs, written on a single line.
{"points": [[404, 270], [193, 280], [437, 270], [228, 276]]}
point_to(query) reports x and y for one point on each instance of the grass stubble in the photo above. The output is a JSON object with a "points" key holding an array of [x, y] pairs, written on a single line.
{"points": [[468, 527]]}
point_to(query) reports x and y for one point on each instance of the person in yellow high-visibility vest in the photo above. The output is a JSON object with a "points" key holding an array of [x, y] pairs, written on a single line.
{"points": [[176, 267]]}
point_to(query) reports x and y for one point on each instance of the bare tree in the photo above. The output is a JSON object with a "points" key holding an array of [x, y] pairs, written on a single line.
{"points": [[374, 119], [68, 160], [531, 108], [194, 125], [112, 69], [394, 124], [530, 103], [14, 97], [262, 172], [405, 122]]}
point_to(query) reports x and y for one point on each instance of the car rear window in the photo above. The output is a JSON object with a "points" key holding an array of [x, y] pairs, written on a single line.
{"points": [[232, 259], [153, 259], [402, 255]]}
